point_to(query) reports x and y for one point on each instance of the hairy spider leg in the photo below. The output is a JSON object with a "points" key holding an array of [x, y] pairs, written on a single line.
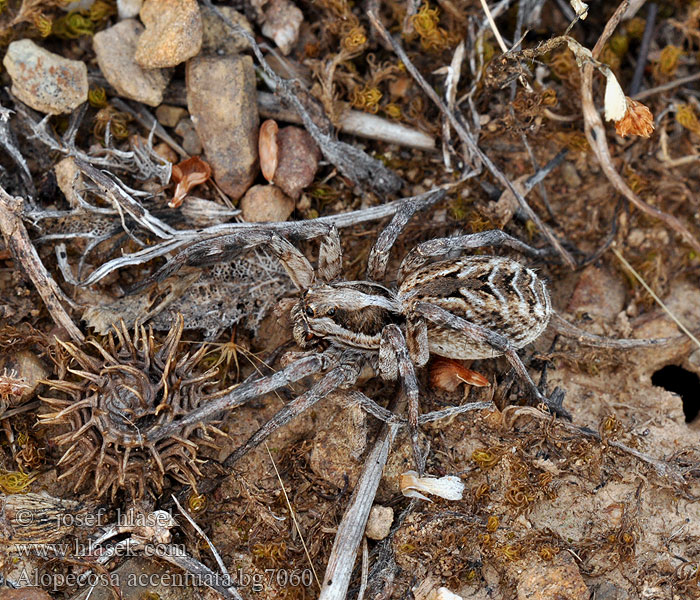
{"points": [[379, 253], [471, 241], [395, 363], [226, 247], [345, 373]]}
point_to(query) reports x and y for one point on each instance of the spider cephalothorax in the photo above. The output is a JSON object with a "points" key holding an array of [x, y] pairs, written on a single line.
{"points": [[350, 313], [122, 391]]}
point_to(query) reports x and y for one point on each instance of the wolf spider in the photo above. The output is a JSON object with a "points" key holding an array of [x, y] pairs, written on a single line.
{"points": [[472, 307]]}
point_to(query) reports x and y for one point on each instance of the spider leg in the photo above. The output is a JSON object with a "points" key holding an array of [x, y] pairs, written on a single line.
{"points": [[374, 409], [330, 257], [244, 392], [440, 316], [343, 374], [379, 254], [395, 362], [442, 246], [225, 247]]}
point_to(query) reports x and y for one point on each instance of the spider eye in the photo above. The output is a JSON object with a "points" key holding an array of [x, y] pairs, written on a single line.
{"points": [[309, 311], [330, 312]]}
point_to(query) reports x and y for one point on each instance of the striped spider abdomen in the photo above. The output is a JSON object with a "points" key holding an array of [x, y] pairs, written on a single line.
{"points": [[493, 292]]}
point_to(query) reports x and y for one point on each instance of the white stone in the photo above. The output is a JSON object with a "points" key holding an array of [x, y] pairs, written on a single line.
{"points": [[114, 48]]}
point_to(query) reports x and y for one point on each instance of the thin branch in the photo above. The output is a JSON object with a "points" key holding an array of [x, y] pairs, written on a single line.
{"points": [[658, 300], [354, 122], [198, 529], [494, 28], [352, 527], [666, 86], [595, 134], [27, 259]]}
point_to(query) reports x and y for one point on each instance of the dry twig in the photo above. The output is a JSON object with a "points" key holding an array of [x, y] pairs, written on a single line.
{"points": [[27, 259], [595, 134]]}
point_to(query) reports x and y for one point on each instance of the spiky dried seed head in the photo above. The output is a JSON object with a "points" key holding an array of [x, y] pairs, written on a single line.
{"points": [[122, 391]]}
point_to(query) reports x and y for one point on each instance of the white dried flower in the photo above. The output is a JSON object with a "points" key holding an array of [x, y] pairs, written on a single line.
{"points": [[615, 101], [448, 487], [442, 593], [580, 8]]}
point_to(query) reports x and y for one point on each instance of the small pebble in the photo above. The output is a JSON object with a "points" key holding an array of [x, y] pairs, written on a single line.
{"points": [[598, 293], [173, 33], [217, 37], [297, 160], [190, 138], [165, 152], [552, 582], [45, 81], [26, 367], [69, 179], [114, 48], [169, 116], [282, 23], [379, 522], [128, 9], [263, 203], [636, 237], [570, 176], [223, 104]]}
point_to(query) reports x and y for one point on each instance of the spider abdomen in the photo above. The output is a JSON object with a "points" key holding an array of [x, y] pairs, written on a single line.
{"points": [[494, 292]]}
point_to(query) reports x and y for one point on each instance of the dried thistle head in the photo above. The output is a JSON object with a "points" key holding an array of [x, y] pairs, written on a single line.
{"points": [[122, 391]]}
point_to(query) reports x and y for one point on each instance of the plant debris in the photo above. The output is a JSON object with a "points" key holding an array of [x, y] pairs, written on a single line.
{"points": [[164, 164]]}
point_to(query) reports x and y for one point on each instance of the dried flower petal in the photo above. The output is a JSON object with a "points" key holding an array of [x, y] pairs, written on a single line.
{"points": [[448, 374], [449, 487], [637, 120], [615, 99], [580, 8], [268, 149], [187, 174]]}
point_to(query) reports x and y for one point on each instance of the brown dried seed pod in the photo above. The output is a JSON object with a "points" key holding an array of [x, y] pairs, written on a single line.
{"points": [[124, 390], [267, 149]]}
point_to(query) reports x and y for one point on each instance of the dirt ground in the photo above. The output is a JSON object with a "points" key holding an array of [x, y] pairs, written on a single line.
{"points": [[604, 506]]}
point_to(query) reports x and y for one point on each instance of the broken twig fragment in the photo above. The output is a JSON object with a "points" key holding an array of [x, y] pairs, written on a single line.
{"points": [[27, 259]]}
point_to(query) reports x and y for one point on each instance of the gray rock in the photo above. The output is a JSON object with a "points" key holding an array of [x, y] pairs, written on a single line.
{"points": [[282, 23], [223, 105], [45, 81], [115, 49], [173, 33], [218, 38], [190, 139], [263, 203], [128, 9]]}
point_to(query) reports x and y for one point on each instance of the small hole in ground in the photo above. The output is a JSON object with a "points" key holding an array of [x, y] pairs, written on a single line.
{"points": [[682, 382]]}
